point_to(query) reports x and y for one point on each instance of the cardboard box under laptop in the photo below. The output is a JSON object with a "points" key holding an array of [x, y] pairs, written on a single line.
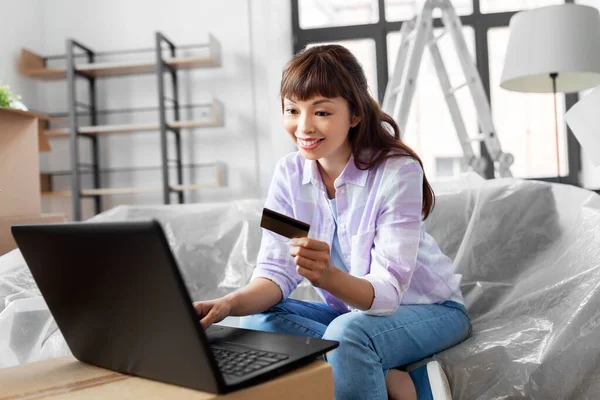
{"points": [[21, 140], [66, 378]]}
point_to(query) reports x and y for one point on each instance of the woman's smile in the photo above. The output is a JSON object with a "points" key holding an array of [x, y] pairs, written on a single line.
{"points": [[309, 144]]}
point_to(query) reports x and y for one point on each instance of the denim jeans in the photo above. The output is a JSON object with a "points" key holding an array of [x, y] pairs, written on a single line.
{"points": [[369, 345]]}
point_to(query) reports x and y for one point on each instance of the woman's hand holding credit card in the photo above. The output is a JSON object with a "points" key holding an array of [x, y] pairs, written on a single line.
{"points": [[312, 257]]}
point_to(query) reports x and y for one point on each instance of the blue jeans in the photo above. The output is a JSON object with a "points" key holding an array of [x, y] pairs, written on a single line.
{"points": [[369, 345]]}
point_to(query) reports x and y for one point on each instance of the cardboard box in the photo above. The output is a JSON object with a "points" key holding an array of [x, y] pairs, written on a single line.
{"points": [[19, 163], [7, 243], [21, 140], [66, 378]]}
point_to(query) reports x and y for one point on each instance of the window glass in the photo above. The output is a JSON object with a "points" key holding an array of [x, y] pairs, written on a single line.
{"points": [[403, 10], [326, 13], [494, 6], [525, 121]]}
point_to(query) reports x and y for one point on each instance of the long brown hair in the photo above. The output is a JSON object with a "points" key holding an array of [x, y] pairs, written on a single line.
{"points": [[333, 71]]}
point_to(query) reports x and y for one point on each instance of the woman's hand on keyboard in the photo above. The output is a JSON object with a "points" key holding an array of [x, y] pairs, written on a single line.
{"points": [[212, 311]]}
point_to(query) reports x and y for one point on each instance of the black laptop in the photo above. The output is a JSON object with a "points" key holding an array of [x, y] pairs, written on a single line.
{"points": [[118, 297]]}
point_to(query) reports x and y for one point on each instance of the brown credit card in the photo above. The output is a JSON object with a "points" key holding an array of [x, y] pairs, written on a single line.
{"points": [[283, 225]]}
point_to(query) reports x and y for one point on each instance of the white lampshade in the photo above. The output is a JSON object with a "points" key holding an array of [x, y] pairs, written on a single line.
{"points": [[564, 39], [584, 120]]}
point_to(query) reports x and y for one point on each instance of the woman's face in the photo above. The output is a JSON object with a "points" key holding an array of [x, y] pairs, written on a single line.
{"points": [[319, 126]]}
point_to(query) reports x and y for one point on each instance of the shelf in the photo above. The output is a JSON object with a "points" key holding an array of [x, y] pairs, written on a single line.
{"points": [[103, 64], [101, 129], [136, 190], [215, 121], [34, 65], [131, 190], [150, 168]]}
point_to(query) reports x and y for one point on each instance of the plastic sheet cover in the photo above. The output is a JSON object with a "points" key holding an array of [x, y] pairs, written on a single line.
{"points": [[529, 253]]}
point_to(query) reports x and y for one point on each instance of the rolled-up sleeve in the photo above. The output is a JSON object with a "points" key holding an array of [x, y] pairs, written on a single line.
{"points": [[397, 236], [274, 261]]}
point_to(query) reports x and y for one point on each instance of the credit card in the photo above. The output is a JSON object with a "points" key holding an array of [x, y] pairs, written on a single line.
{"points": [[283, 225]]}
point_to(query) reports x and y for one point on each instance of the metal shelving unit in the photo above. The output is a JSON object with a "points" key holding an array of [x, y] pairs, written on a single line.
{"points": [[35, 66], [74, 134], [161, 68]]}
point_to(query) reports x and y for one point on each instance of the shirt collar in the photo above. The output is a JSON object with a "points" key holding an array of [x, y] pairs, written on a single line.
{"points": [[350, 174]]}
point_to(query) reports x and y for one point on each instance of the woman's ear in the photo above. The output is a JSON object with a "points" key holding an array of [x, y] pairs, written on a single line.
{"points": [[354, 121]]}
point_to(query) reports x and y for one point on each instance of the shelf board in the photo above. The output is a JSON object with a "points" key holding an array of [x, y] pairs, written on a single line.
{"points": [[215, 121], [128, 128], [33, 65], [145, 168], [62, 193], [219, 182], [104, 70], [131, 190], [195, 124], [102, 129]]}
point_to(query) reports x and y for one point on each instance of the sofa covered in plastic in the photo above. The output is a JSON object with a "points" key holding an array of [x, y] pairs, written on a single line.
{"points": [[529, 253]]}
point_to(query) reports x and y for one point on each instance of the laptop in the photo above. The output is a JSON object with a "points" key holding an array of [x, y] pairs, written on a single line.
{"points": [[118, 297]]}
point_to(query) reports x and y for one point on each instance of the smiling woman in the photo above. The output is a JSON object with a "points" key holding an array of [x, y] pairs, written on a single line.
{"points": [[365, 196], [331, 75]]}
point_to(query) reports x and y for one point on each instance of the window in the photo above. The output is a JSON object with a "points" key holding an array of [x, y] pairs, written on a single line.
{"points": [[494, 6], [325, 13], [525, 121], [450, 167], [364, 51], [403, 10], [435, 137]]}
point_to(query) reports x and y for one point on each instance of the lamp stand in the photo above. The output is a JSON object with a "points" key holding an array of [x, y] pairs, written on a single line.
{"points": [[554, 75]]}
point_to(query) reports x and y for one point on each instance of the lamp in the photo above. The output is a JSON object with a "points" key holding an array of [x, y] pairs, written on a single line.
{"points": [[583, 119], [553, 49]]}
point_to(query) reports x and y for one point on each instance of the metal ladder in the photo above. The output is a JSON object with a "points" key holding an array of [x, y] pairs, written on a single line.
{"points": [[415, 35]]}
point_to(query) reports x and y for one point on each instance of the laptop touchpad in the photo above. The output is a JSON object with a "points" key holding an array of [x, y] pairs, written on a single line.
{"points": [[219, 332]]}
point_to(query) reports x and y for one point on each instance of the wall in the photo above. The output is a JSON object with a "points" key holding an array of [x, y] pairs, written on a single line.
{"points": [[22, 23], [272, 49], [256, 41]]}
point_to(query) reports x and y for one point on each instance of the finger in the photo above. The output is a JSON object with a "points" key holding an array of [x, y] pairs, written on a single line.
{"points": [[308, 264], [307, 273], [309, 243], [209, 319], [308, 253], [202, 307]]}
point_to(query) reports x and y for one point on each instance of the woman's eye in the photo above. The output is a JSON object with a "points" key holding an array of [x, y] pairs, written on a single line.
{"points": [[322, 113], [290, 111]]}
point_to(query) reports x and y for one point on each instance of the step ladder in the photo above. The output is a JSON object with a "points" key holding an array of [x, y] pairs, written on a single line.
{"points": [[415, 35]]}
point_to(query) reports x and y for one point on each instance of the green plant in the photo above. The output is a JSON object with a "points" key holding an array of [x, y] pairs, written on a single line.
{"points": [[7, 97]]}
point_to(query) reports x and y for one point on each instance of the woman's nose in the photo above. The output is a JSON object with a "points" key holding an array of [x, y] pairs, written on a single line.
{"points": [[305, 124]]}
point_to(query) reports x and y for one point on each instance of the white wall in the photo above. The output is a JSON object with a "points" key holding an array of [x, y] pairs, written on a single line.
{"points": [[272, 49], [256, 41], [21, 26]]}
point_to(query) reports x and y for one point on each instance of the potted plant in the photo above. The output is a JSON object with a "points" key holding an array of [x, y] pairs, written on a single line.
{"points": [[10, 100]]}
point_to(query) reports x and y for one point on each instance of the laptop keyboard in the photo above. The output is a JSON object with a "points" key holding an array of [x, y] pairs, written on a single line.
{"points": [[240, 363]]}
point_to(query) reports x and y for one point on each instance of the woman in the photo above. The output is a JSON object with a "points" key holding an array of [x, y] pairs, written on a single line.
{"points": [[391, 297]]}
